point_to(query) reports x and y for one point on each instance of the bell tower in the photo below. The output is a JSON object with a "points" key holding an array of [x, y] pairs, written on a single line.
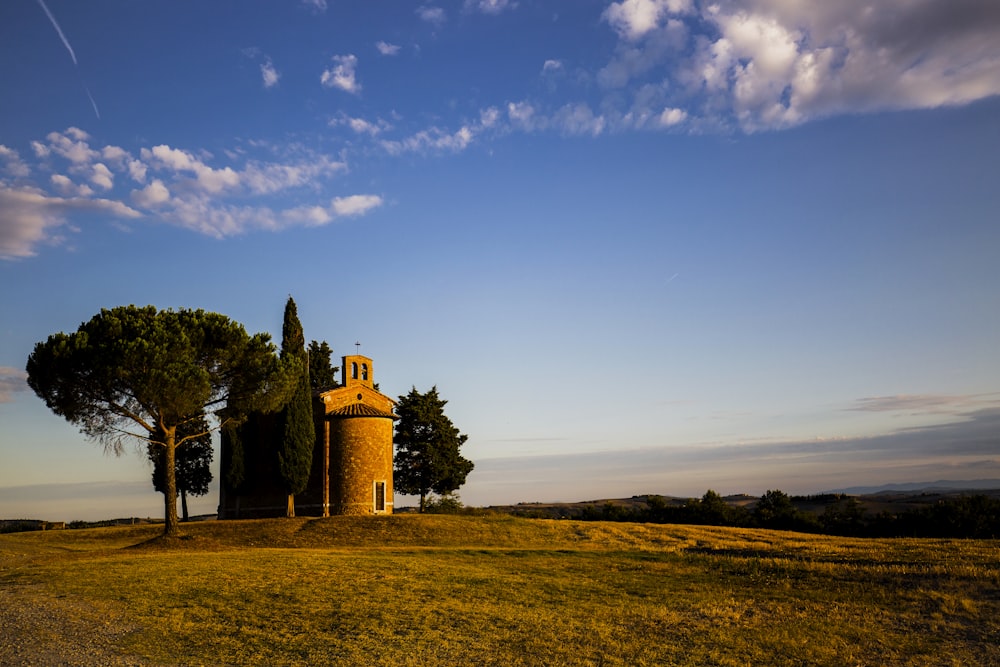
{"points": [[357, 371]]}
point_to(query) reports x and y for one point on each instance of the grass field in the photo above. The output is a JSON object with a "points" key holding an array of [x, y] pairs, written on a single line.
{"points": [[450, 590]]}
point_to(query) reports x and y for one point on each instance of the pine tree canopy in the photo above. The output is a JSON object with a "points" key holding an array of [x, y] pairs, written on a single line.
{"points": [[136, 372]]}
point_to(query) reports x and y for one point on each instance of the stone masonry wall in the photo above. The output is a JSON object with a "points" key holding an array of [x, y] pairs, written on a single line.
{"points": [[360, 455]]}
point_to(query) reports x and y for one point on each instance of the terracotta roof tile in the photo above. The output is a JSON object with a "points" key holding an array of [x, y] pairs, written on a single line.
{"points": [[360, 410]]}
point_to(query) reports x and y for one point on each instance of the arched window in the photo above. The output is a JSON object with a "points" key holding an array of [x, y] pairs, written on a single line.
{"points": [[354, 370], [364, 371]]}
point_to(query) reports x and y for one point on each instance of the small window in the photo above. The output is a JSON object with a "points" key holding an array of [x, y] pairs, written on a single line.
{"points": [[379, 497], [364, 371], [354, 370]]}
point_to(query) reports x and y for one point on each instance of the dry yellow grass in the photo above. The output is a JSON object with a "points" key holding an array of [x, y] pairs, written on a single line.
{"points": [[436, 590]]}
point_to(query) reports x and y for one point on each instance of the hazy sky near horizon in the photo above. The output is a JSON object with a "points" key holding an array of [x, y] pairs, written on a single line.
{"points": [[648, 246]]}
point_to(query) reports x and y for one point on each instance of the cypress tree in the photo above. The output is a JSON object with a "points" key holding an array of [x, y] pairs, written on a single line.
{"points": [[298, 433]]}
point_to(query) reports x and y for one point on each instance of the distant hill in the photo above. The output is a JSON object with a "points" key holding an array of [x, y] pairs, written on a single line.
{"points": [[917, 487]]}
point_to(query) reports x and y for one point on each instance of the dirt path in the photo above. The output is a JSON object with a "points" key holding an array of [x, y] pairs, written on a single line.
{"points": [[39, 629]]}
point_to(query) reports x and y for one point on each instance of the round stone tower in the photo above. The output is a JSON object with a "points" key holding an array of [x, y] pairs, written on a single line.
{"points": [[358, 443]]}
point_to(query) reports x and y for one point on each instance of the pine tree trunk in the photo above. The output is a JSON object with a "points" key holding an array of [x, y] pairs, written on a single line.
{"points": [[170, 525], [291, 506], [422, 502], [184, 505]]}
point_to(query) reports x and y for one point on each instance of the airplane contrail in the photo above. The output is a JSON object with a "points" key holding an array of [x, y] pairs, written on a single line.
{"points": [[55, 24], [58, 30], [92, 102]]}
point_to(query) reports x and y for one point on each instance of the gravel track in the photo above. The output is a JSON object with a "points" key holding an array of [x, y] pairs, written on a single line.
{"points": [[40, 629]]}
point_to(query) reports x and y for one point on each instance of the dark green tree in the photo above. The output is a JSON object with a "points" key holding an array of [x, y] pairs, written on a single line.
{"points": [[322, 372], [136, 372], [193, 461], [713, 510], [427, 447], [775, 510], [298, 433]]}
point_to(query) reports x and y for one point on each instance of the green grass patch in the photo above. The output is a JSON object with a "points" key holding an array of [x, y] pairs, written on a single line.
{"points": [[429, 590]]}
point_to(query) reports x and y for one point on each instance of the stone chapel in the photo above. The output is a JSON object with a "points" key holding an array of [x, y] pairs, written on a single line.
{"points": [[352, 458]]}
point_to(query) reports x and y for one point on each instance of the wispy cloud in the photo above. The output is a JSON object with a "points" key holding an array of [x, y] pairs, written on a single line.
{"points": [[30, 217], [318, 6], [490, 6], [269, 74], [12, 381], [937, 404], [957, 450], [355, 204], [173, 185], [362, 125], [431, 14], [342, 74], [11, 163], [436, 139]]}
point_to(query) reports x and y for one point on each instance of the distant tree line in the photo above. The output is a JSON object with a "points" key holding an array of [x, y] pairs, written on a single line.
{"points": [[966, 516]]}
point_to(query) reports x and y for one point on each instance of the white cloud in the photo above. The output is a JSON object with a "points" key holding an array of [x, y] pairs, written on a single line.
{"points": [[77, 134], [579, 119], [101, 176], [310, 216], [316, 5], [490, 6], [269, 74], [71, 145], [29, 217], [387, 49], [672, 116], [361, 125], [67, 187], [489, 117], [431, 14], [522, 115], [11, 163], [434, 139], [220, 221], [137, 170], [186, 192], [552, 66], [355, 204], [40, 149], [114, 154], [769, 64], [12, 381], [633, 19], [266, 177], [438, 139], [152, 195], [212, 181], [342, 75], [25, 222]]}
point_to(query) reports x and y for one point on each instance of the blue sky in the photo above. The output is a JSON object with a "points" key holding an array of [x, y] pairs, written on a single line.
{"points": [[649, 246]]}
